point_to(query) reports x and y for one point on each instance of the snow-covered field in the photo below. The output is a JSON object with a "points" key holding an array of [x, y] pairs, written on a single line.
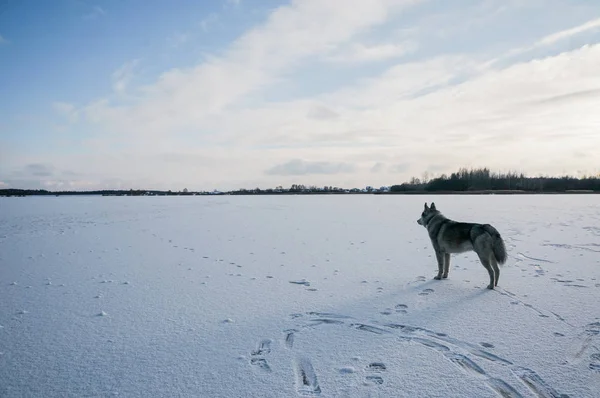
{"points": [[294, 295]]}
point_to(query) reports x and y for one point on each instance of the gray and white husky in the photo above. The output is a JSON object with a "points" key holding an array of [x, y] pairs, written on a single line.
{"points": [[448, 236]]}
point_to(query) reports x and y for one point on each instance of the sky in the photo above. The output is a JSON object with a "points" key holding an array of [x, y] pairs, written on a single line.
{"points": [[230, 94]]}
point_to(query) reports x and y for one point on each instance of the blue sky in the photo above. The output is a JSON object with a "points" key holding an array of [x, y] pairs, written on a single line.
{"points": [[237, 94]]}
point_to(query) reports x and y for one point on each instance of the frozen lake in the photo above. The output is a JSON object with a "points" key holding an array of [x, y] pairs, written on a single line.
{"points": [[281, 296]]}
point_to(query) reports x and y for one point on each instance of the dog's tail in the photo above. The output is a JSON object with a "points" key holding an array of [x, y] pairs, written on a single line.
{"points": [[497, 244]]}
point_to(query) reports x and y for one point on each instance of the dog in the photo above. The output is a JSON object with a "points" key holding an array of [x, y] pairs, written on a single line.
{"points": [[449, 236]]}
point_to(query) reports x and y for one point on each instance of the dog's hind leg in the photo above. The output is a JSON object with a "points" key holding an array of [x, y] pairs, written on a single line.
{"points": [[496, 269], [440, 260], [446, 265], [486, 263]]}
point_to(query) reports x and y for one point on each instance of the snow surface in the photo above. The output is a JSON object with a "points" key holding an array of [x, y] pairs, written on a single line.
{"points": [[294, 295]]}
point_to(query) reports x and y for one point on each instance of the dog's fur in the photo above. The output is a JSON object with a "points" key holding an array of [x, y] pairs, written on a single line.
{"points": [[448, 236]]}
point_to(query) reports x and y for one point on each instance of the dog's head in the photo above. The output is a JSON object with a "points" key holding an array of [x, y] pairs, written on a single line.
{"points": [[427, 214]]}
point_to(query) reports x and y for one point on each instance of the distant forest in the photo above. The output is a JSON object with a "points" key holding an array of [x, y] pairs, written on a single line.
{"points": [[485, 180], [462, 181]]}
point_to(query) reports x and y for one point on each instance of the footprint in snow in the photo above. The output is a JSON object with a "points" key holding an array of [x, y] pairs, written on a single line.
{"points": [[263, 348], [306, 377], [373, 379], [374, 368], [289, 337], [301, 282], [426, 292], [595, 362], [401, 308]]}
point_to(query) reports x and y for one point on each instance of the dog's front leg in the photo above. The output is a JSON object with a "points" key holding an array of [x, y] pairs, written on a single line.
{"points": [[446, 265], [440, 260]]}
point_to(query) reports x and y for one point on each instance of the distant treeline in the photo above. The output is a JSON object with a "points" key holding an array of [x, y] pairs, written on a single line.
{"points": [[462, 181], [485, 180], [110, 192]]}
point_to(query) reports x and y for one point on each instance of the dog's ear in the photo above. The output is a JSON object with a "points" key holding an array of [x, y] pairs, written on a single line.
{"points": [[426, 208], [433, 206]]}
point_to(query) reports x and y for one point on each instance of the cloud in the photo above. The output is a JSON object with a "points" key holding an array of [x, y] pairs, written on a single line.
{"points": [[359, 52], [181, 98], [123, 76], [67, 110], [552, 39], [377, 167], [320, 112], [297, 167], [567, 33], [39, 170], [208, 22], [178, 39], [274, 94], [400, 168]]}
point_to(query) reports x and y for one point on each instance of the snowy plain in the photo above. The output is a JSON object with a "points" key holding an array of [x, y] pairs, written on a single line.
{"points": [[283, 296]]}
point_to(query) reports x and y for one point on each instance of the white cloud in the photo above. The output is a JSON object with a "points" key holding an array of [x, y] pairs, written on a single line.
{"points": [[178, 39], [567, 33], [216, 125], [552, 39], [359, 52], [180, 99], [122, 76], [208, 22], [299, 167], [67, 110]]}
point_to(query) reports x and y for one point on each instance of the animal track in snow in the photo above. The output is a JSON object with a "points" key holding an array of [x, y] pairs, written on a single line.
{"points": [[289, 337], [328, 315], [306, 378], [585, 247], [301, 282], [516, 300], [535, 383], [541, 260], [376, 367], [445, 345], [585, 341], [465, 363], [369, 328], [504, 389], [426, 292], [261, 363], [401, 308], [374, 379], [263, 348]]}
